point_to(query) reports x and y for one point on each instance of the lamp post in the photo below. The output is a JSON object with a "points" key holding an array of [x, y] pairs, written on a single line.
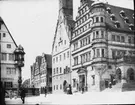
{"points": [[19, 60]]}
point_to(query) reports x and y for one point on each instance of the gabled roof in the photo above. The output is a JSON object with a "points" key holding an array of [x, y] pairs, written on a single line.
{"points": [[55, 35], [39, 60], [70, 23], [48, 58], [2, 22]]}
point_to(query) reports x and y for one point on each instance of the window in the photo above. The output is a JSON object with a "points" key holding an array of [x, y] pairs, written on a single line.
{"points": [[102, 19], [4, 34], [56, 59], [60, 69], [0, 36], [68, 54], [97, 34], [102, 34], [129, 39], [54, 70], [11, 57], [113, 37], [88, 39], [97, 19], [60, 57], [89, 56], [80, 43], [64, 56], [65, 41], [76, 60], [8, 85], [10, 70], [118, 38], [113, 54], [55, 48], [57, 70], [103, 53], [98, 53], [8, 45], [122, 39], [54, 87], [60, 86], [94, 35], [3, 56]]}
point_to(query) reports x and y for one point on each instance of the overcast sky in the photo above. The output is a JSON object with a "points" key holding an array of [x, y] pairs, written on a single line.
{"points": [[32, 24]]}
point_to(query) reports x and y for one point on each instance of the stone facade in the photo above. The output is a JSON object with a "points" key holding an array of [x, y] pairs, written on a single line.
{"points": [[61, 60], [41, 73], [103, 35]]}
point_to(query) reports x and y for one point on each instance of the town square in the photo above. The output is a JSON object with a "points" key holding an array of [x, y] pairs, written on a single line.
{"points": [[67, 52]]}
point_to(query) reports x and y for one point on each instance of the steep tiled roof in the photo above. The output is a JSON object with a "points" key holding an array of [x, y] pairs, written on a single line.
{"points": [[48, 58], [125, 22], [117, 18], [38, 59], [2, 22]]}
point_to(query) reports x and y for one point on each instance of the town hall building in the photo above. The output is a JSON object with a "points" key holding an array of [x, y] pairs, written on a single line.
{"points": [[102, 46]]}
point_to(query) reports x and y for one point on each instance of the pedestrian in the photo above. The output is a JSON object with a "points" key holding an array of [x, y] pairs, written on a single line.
{"points": [[33, 90], [23, 94], [110, 84], [82, 89], [11, 94], [70, 89], [45, 91]]}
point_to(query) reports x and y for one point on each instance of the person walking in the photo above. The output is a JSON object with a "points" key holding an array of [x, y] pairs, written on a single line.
{"points": [[23, 94], [70, 89], [45, 91]]}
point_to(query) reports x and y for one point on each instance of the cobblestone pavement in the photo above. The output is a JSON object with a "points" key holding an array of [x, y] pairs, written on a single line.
{"points": [[79, 99]]}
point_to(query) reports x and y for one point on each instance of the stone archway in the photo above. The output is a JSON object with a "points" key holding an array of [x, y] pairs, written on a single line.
{"points": [[130, 75], [118, 75]]}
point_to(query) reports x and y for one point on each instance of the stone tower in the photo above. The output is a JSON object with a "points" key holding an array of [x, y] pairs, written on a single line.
{"points": [[66, 7]]}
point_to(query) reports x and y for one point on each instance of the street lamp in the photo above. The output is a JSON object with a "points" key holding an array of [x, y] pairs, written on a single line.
{"points": [[19, 60]]}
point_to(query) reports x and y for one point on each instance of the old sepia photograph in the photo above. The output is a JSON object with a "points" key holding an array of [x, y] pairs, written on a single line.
{"points": [[67, 52]]}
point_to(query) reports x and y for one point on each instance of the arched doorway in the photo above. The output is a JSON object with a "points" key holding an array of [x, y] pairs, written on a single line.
{"points": [[130, 74], [118, 75]]}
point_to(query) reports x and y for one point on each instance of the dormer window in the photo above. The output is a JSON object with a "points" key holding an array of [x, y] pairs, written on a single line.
{"points": [[112, 17], [133, 15], [131, 26], [122, 13], [117, 24], [108, 10], [126, 20]]}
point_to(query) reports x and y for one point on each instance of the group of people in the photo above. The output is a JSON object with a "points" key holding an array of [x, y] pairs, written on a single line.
{"points": [[69, 89]]}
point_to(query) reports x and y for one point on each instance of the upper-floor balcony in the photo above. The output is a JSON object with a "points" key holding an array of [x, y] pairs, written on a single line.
{"points": [[98, 24], [99, 41], [99, 60], [122, 44]]}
